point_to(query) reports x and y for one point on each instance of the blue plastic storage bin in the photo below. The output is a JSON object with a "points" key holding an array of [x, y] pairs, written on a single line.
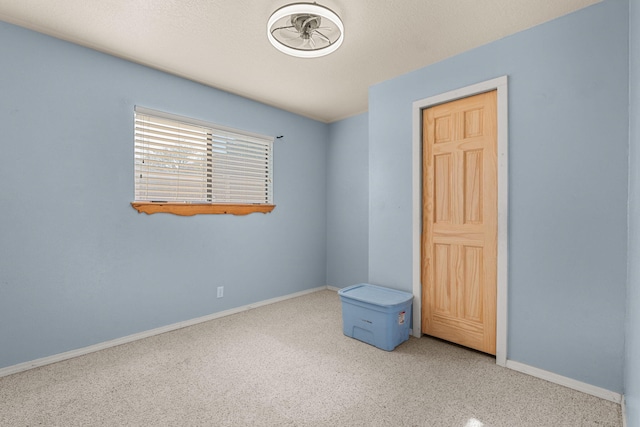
{"points": [[376, 315]]}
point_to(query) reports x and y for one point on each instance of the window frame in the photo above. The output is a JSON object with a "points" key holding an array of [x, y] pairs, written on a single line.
{"points": [[188, 208]]}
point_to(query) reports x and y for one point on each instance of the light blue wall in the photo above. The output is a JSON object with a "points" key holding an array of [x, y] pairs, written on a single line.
{"points": [[632, 366], [348, 202], [568, 138], [78, 265]]}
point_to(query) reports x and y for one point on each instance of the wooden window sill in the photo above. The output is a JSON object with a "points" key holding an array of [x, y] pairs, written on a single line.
{"points": [[189, 209]]}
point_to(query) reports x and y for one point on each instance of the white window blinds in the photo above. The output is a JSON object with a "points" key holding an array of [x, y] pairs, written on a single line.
{"points": [[184, 160]]}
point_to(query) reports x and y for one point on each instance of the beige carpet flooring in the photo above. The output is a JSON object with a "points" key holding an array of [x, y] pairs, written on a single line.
{"points": [[288, 364]]}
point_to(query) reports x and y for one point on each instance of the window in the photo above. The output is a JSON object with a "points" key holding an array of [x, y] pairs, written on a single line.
{"points": [[189, 166]]}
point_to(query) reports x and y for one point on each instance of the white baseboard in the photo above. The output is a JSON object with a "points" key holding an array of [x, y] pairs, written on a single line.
{"points": [[516, 366], [565, 381], [14, 369]]}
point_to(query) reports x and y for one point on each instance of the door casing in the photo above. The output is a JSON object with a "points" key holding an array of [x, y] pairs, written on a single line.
{"points": [[499, 84]]}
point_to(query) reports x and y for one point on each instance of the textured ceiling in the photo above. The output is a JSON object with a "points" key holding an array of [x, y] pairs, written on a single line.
{"points": [[223, 43]]}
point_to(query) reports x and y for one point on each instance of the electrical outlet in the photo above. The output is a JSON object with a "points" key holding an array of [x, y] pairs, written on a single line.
{"points": [[220, 291]]}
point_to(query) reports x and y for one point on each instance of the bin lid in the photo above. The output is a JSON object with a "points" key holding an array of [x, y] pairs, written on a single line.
{"points": [[375, 294]]}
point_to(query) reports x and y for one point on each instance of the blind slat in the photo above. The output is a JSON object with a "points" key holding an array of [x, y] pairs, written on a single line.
{"points": [[198, 141], [146, 120], [164, 144]]}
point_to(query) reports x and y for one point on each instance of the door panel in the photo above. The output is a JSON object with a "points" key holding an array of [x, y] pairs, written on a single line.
{"points": [[473, 187], [459, 246], [442, 172]]}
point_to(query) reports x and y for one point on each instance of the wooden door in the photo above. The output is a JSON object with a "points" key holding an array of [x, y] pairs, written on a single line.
{"points": [[459, 221]]}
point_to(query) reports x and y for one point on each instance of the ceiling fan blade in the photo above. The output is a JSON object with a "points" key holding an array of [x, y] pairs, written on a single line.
{"points": [[288, 35], [322, 39], [283, 28], [305, 44], [296, 43], [322, 36]]}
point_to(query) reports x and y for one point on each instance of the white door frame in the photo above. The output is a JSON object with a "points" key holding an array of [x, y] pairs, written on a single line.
{"points": [[499, 84]]}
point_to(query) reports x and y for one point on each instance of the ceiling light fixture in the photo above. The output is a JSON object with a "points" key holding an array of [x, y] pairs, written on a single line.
{"points": [[305, 30]]}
